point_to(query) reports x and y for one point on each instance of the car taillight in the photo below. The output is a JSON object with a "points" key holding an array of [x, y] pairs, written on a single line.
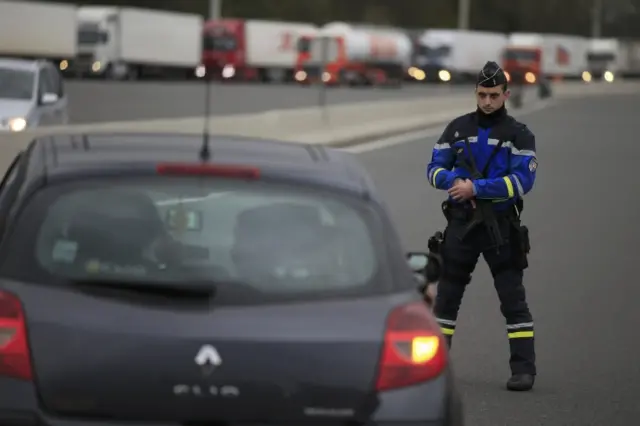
{"points": [[15, 360], [414, 348]]}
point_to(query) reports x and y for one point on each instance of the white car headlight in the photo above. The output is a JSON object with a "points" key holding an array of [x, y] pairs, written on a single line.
{"points": [[17, 124]]}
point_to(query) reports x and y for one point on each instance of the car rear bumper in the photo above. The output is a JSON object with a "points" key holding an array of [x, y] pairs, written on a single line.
{"points": [[29, 419], [429, 404]]}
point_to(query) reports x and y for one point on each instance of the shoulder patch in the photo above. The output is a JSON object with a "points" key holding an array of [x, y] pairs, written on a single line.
{"points": [[533, 165]]}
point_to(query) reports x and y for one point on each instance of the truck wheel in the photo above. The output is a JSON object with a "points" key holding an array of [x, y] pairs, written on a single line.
{"points": [[276, 75], [133, 73], [120, 72]]}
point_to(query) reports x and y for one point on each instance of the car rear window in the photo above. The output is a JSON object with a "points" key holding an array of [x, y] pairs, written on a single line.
{"points": [[277, 239]]}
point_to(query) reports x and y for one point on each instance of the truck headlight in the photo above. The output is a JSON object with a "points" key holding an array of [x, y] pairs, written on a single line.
{"points": [[444, 75], [228, 71], [17, 124], [609, 77], [530, 77]]}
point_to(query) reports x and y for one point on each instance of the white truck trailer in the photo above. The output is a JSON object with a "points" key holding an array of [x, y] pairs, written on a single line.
{"points": [[38, 31], [630, 58]]}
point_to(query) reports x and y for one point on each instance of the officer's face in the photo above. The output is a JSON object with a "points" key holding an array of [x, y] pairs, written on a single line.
{"points": [[491, 98]]}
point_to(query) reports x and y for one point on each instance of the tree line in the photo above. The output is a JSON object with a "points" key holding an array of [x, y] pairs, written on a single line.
{"points": [[618, 18]]}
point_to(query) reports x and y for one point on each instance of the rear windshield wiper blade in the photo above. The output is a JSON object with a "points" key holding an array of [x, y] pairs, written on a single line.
{"points": [[184, 288]]}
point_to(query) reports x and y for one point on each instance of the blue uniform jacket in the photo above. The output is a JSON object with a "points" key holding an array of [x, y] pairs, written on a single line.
{"points": [[512, 172]]}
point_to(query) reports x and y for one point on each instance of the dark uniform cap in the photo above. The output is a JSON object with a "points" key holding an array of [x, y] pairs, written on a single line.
{"points": [[491, 75]]}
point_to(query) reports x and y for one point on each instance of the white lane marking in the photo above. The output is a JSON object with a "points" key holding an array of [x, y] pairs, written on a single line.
{"points": [[429, 132]]}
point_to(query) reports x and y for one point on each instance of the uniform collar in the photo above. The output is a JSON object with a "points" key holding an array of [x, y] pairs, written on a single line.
{"points": [[489, 120]]}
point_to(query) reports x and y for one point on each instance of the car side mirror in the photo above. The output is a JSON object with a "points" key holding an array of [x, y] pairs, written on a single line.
{"points": [[418, 262], [48, 98]]}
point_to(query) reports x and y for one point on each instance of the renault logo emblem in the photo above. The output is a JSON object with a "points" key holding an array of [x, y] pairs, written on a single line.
{"points": [[208, 359]]}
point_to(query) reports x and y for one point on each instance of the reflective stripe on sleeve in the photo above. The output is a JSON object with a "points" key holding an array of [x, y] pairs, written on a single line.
{"points": [[510, 191], [435, 174]]}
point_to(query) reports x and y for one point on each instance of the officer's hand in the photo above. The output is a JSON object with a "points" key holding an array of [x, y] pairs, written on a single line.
{"points": [[430, 294], [462, 190]]}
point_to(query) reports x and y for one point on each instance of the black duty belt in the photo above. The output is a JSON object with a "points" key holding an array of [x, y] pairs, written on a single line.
{"points": [[467, 212]]}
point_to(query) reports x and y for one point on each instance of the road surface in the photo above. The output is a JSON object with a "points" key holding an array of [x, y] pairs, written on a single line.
{"points": [[97, 101], [583, 218]]}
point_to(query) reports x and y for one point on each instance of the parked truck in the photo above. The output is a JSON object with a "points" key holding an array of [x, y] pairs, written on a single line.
{"points": [[354, 55], [531, 57], [455, 55], [131, 43], [604, 60], [38, 31], [253, 50]]}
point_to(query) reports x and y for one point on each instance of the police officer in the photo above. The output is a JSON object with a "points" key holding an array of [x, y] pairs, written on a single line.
{"points": [[486, 161]]}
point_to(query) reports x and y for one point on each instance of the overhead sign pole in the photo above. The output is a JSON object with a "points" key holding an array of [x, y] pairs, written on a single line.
{"points": [[322, 89], [464, 14], [215, 9]]}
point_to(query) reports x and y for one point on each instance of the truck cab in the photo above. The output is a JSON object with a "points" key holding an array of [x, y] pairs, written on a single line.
{"points": [[303, 54], [522, 59], [433, 61], [97, 42], [325, 59], [222, 50], [603, 60]]}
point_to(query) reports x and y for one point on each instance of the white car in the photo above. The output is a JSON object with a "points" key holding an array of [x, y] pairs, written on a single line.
{"points": [[31, 95]]}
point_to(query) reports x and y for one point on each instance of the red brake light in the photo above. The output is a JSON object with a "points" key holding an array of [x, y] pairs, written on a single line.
{"points": [[414, 348], [220, 170], [15, 360]]}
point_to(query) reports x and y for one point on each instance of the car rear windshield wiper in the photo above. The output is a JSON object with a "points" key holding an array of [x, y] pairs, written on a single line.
{"points": [[178, 289]]}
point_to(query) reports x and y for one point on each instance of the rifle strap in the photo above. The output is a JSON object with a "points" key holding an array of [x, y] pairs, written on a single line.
{"points": [[492, 156], [474, 167]]}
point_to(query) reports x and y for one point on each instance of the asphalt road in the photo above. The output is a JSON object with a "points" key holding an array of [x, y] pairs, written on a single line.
{"points": [[581, 284], [96, 101]]}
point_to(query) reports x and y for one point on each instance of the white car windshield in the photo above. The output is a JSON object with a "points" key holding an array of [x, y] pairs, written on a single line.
{"points": [[16, 84]]}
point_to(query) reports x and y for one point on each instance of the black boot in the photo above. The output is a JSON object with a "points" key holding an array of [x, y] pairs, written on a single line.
{"points": [[521, 382], [449, 340]]}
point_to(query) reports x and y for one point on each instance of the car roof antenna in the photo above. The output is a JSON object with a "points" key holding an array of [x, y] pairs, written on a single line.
{"points": [[205, 152]]}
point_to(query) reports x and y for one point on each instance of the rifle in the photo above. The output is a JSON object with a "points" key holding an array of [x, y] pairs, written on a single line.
{"points": [[483, 213]]}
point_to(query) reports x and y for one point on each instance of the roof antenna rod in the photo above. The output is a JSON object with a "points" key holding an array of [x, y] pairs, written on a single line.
{"points": [[205, 152], [215, 12]]}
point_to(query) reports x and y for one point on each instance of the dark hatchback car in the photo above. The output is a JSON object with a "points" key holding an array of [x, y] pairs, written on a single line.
{"points": [[266, 285]]}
